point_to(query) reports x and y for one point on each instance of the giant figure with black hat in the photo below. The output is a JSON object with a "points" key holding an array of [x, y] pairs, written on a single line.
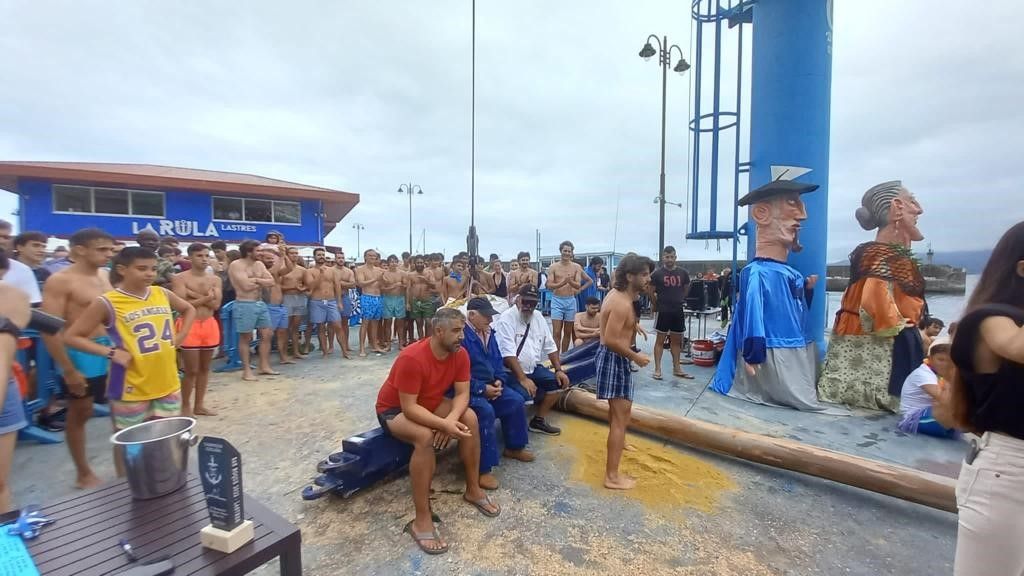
{"points": [[767, 359]]}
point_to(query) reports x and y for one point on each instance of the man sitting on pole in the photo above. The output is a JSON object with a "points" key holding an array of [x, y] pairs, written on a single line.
{"points": [[490, 396], [411, 406], [524, 338]]}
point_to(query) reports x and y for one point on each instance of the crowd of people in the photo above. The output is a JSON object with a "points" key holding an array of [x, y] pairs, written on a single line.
{"points": [[143, 324]]}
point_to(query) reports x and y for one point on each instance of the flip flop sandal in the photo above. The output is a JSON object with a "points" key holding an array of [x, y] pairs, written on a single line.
{"points": [[419, 537], [683, 375], [480, 505], [657, 376]]}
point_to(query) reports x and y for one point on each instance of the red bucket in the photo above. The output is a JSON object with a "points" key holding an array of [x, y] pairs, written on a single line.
{"points": [[704, 353]]}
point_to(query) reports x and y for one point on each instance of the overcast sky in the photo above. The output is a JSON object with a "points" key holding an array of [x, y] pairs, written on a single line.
{"points": [[363, 96]]}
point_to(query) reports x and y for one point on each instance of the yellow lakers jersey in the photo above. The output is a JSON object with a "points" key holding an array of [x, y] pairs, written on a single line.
{"points": [[145, 328]]}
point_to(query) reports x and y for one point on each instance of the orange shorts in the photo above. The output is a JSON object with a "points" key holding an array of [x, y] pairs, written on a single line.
{"points": [[204, 334]]}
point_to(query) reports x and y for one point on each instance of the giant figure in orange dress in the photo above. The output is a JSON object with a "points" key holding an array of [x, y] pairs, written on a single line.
{"points": [[875, 342]]}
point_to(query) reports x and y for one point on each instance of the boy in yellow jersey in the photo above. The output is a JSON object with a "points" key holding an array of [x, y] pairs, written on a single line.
{"points": [[143, 383]]}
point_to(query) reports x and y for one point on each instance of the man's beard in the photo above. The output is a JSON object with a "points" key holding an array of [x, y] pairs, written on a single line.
{"points": [[796, 247]]}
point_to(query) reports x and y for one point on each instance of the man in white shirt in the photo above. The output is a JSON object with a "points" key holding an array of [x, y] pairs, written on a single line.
{"points": [[524, 338], [19, 275], [920, 390]]}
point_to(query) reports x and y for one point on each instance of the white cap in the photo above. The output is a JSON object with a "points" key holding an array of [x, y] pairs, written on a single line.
{"points": [[939, 341]]}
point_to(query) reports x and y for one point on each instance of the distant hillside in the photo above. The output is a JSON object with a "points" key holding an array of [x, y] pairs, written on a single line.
{"points": [[973, 260]]}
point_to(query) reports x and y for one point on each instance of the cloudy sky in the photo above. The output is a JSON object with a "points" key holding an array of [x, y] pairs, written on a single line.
{"points": [[363, 96]]}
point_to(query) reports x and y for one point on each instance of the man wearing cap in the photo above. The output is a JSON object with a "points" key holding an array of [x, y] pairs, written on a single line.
{"points": [[767, 359], [274, 237], [524, 338], [921, 389], [490, 397]]}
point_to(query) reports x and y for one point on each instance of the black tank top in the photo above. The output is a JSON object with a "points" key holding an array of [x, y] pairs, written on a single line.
{"points": [[501, 288], [996, 400]]}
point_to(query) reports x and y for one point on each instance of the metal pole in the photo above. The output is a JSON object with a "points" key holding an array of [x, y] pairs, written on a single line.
{"points": [[661, 188], [410, 218]]}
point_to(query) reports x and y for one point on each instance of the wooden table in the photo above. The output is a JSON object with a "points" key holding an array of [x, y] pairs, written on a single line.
{"points": [[84, 539]]}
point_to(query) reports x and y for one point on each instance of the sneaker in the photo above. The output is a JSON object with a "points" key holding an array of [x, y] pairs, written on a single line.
{"points": [[52, 422], [539, 425]]}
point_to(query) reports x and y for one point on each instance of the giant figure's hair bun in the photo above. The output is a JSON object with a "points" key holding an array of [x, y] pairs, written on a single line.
{"points": [[865, 218]]}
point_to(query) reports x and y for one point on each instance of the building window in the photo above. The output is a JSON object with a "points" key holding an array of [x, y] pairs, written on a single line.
{"points": [[110, 201], [256, 210], [227, 208]]}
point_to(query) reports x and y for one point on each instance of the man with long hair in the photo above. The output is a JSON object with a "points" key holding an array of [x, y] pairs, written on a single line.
{"points": [[614, 378]]}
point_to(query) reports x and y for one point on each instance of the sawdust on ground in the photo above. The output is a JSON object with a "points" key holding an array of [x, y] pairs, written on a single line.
{"points": [[666, 477]]}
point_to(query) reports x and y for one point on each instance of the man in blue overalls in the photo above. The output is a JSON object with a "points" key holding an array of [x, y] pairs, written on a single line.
{"points": [[490, 397]]}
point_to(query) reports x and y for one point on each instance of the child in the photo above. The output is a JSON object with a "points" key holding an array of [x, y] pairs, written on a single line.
{"points": [[143, 382]]}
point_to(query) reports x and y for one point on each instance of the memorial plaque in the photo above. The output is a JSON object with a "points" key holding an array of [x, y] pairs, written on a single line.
{"points": [[220, 467]]}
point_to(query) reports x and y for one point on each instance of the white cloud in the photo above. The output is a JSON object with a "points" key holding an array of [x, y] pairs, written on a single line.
{"points": [[365, 96]]}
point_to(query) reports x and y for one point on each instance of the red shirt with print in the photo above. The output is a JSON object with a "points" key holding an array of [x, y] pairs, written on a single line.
{"points": [[418, 371]]}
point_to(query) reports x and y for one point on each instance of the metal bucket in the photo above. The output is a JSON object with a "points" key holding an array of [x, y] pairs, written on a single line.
{"points": [[155, 455]]}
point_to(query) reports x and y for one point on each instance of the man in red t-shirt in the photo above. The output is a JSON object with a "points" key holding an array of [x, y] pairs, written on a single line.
{"points": [[412, 407]]}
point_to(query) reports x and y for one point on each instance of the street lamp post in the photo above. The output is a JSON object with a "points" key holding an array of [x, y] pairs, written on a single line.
{"points": [[358, 227], [410, 189], [664, 53]]}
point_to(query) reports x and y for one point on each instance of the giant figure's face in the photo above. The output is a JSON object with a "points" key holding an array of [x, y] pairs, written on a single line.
{"points": [[906, 208], [779, 220]]}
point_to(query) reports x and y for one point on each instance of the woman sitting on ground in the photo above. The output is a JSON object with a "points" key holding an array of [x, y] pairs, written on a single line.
{"points": [[921, 388], [986, 396]]}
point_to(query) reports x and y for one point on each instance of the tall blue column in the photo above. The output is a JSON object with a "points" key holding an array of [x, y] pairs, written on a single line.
{"points": [[791, 88]]}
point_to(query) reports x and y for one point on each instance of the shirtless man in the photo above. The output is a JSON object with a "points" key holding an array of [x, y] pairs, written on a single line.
{"points": [[522, 274], [417, 300], [393, 287], [82, 377], [566, 279], [345, 280], [323, 301], [274, 257], [614, 379], [587, 325], [296, 300], [202, 289], [456, 285], [371, 305], [248, 277], [437, 276]]}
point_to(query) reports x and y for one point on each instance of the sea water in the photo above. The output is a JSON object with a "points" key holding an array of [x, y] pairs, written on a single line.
{"points": [[946, 307]]}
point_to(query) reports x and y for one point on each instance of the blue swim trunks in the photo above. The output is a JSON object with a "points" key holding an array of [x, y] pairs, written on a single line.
{"points": [[12, 417], [90, 365], [346, 305], [563, 308], [371, 307], [394, 306], [250, 315], [278, 316], [321, 311]]}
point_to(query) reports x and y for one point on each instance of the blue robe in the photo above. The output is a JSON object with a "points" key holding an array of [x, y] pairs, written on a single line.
{"points": [[767, 330], [486, 365]]}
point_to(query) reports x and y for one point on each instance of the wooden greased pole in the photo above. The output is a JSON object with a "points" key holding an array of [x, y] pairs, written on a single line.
{"points": [[889, 479]]}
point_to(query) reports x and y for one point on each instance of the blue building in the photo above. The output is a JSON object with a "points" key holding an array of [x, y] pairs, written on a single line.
{"points": [[59, 198]]}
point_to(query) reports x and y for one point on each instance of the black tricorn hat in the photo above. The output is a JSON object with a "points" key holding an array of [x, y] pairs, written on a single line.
{"points": [[775, 188]]}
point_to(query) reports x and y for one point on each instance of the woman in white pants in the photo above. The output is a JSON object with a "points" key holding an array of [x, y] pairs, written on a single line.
{"points": [[988, 398]]}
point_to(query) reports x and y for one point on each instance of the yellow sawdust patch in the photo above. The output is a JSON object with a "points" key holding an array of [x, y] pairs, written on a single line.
{"points": [[666, 477]]}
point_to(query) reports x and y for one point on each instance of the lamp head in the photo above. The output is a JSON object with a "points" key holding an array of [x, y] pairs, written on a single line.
{"points": [[682, 66], [647, 51]]}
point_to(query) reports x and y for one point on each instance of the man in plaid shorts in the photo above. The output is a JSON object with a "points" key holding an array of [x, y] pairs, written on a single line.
{"points": [[614, 379]]}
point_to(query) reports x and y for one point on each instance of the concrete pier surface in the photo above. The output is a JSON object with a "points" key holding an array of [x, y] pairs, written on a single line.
{"points": [[694, 513]]}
